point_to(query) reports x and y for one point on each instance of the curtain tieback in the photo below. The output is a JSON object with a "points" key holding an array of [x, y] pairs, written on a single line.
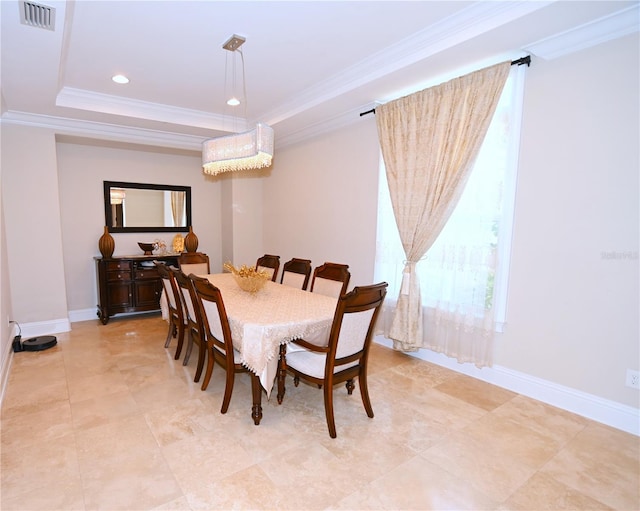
{"points": [[409, 268]]}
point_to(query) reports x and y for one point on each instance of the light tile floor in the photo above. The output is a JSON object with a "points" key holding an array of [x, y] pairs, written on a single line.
{"points": [[108, 420]]}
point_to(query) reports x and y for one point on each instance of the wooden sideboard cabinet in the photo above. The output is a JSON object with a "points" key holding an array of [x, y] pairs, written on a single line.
{"points": [[129, 284]]}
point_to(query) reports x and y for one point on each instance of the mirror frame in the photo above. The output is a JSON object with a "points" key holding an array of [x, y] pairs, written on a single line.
{"points": [[142, 186]]}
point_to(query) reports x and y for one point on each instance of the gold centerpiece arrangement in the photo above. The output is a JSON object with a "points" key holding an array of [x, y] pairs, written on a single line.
{"points": [[247, 277]]}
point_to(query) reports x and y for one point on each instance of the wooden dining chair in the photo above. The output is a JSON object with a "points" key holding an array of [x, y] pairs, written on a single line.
{"points": [[192, 319], [194, 262], [175, 307], [331, 279], [217, 335], [345, 356], [269, 263], [296, 273]]}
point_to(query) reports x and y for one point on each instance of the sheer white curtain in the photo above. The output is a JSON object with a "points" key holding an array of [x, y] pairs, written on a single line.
{"points": [[429, 141], [458, 276]]}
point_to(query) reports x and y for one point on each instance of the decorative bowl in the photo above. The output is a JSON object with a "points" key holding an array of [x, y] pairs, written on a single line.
{"points": [[251, 284], [248, 278], [147, 247]]}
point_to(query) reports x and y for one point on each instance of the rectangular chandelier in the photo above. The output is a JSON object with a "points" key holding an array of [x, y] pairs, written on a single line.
{"points": [[240, 151]]}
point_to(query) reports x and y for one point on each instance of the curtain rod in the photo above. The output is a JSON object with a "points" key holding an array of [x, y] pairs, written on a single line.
{"points": [[521, 61]]}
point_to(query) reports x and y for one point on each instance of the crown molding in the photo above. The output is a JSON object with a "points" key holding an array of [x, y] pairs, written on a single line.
{"points": [[476, 19], [115, 105], [466, 24], [607, 28], [104, 131], [315, 130], [462, 26]]}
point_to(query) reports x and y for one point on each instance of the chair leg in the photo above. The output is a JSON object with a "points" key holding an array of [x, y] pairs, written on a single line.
{"points": [[201, 357], [296, 380], [209, 371], [170, 334], [228, 389], [180, 334], [328, 409], [187, 355], [364, 392]]}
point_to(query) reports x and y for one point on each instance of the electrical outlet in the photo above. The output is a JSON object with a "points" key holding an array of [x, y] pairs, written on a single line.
{"points": [[633, 379]]}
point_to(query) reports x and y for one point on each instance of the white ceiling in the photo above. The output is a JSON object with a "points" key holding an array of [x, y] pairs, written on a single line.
{"points": [[310, 66]]}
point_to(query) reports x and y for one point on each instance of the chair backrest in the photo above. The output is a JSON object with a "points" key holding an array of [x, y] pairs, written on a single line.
{"points": [[215, 322], [296, 273], [171, 291], [185, 286], [353, 324], [331, 279], [194, 262], [269, 263]]}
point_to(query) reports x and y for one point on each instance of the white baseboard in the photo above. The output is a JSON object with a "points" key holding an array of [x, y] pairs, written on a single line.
{"points": [[6, 362], [83, 315], [55, 326], [616, 415], [91, 314]]}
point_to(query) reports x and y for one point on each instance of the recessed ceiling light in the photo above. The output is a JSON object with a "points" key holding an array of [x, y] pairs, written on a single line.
{"points": [[120, 79]]}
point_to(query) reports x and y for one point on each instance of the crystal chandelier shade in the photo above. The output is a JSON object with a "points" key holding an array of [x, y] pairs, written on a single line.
{"points": [[241, 151]]}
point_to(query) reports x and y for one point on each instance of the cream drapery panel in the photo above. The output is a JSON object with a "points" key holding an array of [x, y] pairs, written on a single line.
{"points": [[429, 141], [177, 208]]}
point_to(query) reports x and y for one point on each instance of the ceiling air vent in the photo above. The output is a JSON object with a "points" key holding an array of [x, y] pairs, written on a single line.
{"points": [[37, 15]]}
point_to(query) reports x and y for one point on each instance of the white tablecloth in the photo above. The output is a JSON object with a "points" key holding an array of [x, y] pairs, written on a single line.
{"points": [[276, 314]]}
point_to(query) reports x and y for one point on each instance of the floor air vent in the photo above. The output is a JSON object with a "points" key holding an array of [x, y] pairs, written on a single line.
{"points": [[37, 15]]}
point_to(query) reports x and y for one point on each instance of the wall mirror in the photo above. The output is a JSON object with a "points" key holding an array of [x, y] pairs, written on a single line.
{"points": [[138, 207]]}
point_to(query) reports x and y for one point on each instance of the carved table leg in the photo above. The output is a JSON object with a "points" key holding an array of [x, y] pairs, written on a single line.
{"points": [[282, 372], [256, 390]]}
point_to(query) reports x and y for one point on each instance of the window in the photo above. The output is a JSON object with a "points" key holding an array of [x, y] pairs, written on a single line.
{"points": [[464, 274]]}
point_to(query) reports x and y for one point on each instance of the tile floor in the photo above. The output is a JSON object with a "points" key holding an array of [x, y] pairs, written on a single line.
{"points": [[109, 420]]}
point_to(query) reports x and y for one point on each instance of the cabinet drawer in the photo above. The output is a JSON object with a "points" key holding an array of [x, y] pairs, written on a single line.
{"points": [[118, 265], [151, 273], [118, 275]]}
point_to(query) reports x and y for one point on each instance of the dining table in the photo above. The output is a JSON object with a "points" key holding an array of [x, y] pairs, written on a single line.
{"points": [[262, 321]]}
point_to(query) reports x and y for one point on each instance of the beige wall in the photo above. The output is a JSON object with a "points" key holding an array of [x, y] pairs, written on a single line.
{"points": [[6, 311], [242, 237], [52, 201], [82, 168], [572, 315], [320, 201], [32, 221]]}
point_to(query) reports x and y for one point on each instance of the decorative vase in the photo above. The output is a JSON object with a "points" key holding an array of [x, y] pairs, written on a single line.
{"points": [[191, 241], [106, 244]]}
